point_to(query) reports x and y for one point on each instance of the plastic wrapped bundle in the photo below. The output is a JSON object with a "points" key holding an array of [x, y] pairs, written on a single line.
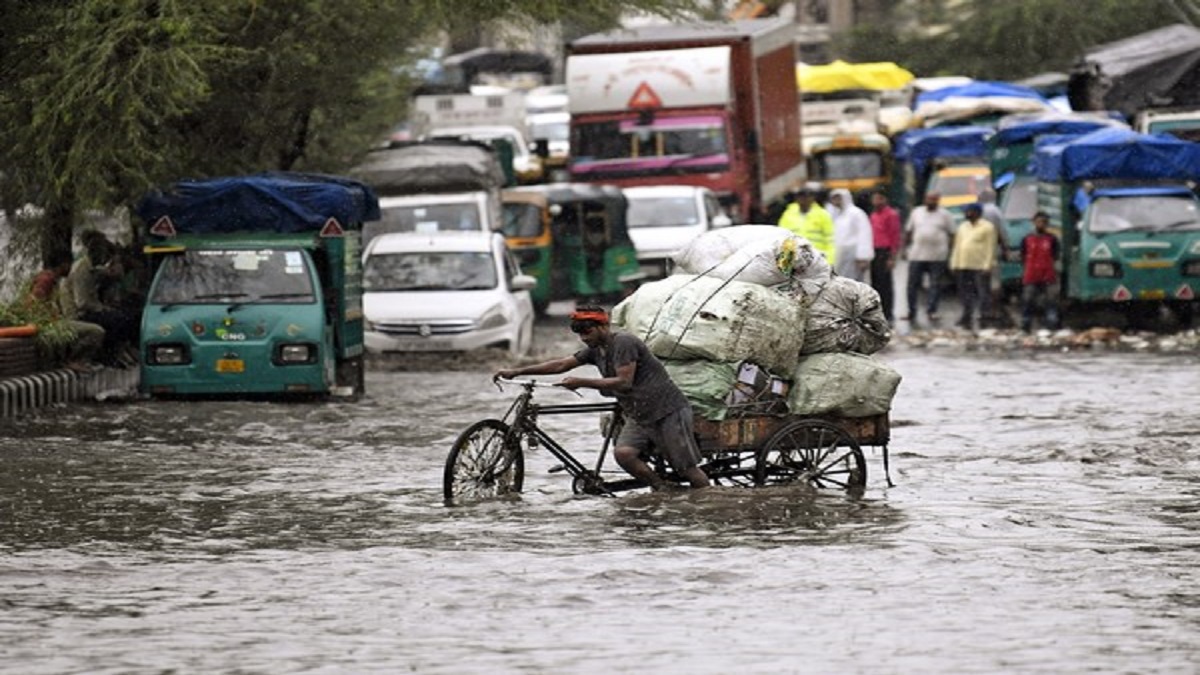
{"points": [[759, 254], [687, 317], [846, 316], [850, 385], [720, 390]]}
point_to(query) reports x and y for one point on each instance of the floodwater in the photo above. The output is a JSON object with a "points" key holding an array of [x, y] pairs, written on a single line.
{"points": [[1043, 519]]}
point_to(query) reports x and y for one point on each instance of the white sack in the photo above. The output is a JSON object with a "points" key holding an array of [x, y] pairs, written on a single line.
{"points": [[850, 385], [846, 316]]}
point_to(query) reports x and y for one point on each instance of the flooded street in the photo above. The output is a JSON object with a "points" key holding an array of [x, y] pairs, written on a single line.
{"points": [[1043, 519]]}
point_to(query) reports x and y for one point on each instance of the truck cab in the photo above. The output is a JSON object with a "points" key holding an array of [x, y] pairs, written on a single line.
{"points": [[257, 287]]}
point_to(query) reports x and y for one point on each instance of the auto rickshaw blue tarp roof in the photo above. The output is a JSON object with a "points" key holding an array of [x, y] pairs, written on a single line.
{"points": [[921, 146], [275, 202], [1025, 128], [1118, 153], [979, 89]]}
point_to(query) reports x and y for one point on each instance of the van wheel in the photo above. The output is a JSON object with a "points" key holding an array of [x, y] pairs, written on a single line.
{"points": [[524, 343], [352, 373]]}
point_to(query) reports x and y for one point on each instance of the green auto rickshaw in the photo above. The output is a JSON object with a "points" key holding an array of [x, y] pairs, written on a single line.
{"points": [[573, 238]]}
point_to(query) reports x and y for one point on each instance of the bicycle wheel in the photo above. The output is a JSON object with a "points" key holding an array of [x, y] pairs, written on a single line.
{"points": [[817, 452], [485, 462]]}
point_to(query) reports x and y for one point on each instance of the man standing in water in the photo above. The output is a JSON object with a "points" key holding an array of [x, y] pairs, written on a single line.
{"points": [[657, 415]]}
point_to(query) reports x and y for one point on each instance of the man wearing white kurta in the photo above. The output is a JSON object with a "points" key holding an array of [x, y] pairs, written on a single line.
{"points": [[853, 242]]}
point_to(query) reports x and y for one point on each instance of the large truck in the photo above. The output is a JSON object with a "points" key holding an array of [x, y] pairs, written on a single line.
{"points": [[433, 186], [1130, 221], [257, 287], [707, 104]]}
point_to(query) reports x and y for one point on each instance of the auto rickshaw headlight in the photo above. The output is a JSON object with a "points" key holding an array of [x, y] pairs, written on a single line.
{"points": [[168, 354], [1191, 268], [1106, 269], [289, 354]]}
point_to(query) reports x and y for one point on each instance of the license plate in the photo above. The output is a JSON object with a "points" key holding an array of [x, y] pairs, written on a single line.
{"points": [[1153, 294], [425, 346], [231, 366]]}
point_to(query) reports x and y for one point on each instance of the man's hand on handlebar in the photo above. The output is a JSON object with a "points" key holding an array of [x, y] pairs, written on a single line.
{"points": [[506, 374]]}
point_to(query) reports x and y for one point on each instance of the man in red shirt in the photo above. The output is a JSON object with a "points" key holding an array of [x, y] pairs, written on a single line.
{"points": [[1039, 253], [885, 228]]}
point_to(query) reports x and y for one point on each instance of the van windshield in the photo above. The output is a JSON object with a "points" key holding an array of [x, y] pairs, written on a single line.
{"points": [[270, 276], [1143, 213], [662, 212], [463, 216], [430, 271]]}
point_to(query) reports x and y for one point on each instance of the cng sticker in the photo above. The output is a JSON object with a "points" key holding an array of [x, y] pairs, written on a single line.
{"points": [[165, 329], [644, 98], [1101, 251], [293, 329]]}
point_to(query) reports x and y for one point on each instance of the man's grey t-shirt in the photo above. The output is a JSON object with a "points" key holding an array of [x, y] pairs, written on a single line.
{"points": [[653, 395]]}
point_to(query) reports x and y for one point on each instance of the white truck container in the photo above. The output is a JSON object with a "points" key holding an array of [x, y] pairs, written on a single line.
{"points": [[482, 118]]}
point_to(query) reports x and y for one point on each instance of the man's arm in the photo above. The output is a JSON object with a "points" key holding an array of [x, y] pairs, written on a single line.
{"points": [[623, 381], [551, 367]]}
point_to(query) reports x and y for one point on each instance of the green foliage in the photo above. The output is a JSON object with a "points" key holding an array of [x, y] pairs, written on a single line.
{"points": [[54, 336], [1007, 40]]}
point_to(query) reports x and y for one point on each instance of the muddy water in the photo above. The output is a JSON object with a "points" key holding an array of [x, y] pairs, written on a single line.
{"points": [[1043, 519]]}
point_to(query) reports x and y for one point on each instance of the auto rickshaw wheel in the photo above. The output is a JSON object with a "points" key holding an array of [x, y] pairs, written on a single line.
{"points": [[817, 452], [485, 462]]}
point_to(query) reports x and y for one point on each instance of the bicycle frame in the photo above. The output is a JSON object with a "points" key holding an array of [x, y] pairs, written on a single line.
{"points": [[522, 419]]}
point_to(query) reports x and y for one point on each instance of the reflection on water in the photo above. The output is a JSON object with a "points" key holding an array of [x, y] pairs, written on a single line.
{"points": [[1043, 520]]}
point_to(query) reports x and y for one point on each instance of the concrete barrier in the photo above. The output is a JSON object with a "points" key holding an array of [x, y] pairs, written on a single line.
{"points": [[29, 392]]}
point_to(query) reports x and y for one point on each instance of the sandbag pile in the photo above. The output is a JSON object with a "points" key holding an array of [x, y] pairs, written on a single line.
{"points": [[755, 322]]}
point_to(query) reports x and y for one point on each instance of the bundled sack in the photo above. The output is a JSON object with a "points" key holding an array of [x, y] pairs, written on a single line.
{"points": [[849, 385], [758, 254], [720, 390], [705, 384], [846, 316], [687, 317]]}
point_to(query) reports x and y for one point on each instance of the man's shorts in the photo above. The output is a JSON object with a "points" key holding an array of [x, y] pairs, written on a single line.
{"points": [[672, 436]]}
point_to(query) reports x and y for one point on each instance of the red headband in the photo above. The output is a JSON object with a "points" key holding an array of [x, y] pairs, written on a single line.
{"points": [[590, 315]]}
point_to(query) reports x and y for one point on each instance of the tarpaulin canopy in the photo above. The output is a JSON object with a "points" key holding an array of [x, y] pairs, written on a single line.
{"points": [[1118, 153], [1017, 129], [431, 166], [843, 76], [979, 89], [1158, 68], [919, 147], [266, 202]]}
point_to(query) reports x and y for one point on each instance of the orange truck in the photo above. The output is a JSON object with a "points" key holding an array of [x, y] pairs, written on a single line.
{"points": [[706, 104]]}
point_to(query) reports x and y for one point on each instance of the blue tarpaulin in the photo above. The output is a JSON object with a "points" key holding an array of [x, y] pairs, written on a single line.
{"points": [[1024, 129], [266, 202], [919, 147], [979, 89], [1118, 153]]}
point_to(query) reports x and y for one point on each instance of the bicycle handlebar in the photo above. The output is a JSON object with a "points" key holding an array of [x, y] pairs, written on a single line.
{"points": [[501, 381]]}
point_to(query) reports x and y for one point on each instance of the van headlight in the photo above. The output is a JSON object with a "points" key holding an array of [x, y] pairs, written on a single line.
{"points": [[493, 318], [168, 354], [295, 353], [1105, 269]]}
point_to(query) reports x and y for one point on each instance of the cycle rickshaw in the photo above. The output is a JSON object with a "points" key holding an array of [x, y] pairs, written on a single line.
{"points": [[488, 459]]}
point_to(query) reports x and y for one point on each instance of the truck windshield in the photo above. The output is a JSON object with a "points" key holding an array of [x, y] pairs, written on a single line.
{"points": [[665, 137], [1146, 213], [662, 212], [960, 183], [248, 276], [522, 219], [849, 165], [424, 218], [1020, 199], [429, 271]]}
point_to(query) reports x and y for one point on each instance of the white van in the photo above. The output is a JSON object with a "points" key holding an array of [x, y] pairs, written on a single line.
{"points": [[445, 291], [664, 219]]}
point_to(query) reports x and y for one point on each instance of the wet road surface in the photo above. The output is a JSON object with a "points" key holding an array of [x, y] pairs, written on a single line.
{"points": [[1043, 519]]}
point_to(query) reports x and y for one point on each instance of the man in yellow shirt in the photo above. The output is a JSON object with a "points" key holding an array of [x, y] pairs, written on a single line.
{"points": [[971, 261], [806, 218]]}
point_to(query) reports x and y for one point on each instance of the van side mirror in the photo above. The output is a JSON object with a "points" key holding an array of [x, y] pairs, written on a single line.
{"points": [[541, 147]]}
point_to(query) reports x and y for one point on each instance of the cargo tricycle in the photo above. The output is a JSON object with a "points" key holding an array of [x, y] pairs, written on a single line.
{"points": [[488, 459]]}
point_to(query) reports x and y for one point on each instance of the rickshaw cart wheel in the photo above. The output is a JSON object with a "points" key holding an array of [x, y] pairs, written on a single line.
{"points": [[815, 451], [482, 465]]}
